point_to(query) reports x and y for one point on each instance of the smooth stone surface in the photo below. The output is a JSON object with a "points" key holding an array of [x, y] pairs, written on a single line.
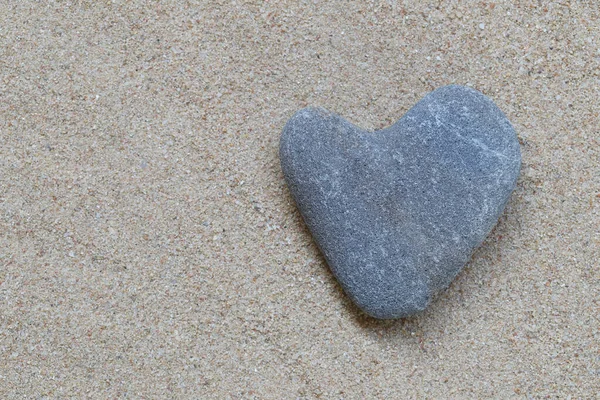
{"points": [[398, 212]]}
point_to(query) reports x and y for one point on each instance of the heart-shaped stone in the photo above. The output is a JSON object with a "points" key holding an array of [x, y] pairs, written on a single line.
{"points": [[398, 212]]}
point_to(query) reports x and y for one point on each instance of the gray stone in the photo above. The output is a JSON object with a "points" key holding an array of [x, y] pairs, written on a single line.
{"points": [[398, 212]]}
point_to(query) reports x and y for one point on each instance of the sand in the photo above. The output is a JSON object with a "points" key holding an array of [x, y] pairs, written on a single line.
{"points": [[150, 249]]}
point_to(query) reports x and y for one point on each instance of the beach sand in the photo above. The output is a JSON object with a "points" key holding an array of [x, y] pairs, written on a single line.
{"points": [[149, 247]]}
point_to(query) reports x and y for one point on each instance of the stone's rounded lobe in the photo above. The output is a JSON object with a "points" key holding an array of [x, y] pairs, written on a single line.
{"points": [[398, 212]]}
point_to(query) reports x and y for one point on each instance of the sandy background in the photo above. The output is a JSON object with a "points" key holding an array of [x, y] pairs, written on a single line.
{"points": [[149, 247]]}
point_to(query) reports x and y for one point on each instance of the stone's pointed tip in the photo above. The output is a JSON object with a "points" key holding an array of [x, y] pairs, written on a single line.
{"points": [[414, 303], [398, 215]]}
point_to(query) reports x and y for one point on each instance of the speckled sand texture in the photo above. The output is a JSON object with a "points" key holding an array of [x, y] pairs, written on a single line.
{"points": [[150, 249]]}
